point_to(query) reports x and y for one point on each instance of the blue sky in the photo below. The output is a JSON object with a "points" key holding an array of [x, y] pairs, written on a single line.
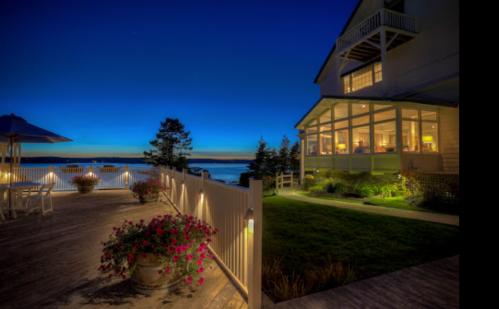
{"points": [[105, 73]]}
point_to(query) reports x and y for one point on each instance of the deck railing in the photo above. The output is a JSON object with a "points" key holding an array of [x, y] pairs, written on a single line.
{"points": [[383, 17], [111, 177], [238, 245]]}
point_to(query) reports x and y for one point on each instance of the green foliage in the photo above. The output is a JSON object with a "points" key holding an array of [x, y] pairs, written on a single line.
{"points": [[294, 158], [316, 189], [171, 146], [268, 186], [308, 182]]}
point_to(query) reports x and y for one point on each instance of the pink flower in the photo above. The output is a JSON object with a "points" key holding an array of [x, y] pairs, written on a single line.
{"points": [[201, 280], [189, 257], [200, 270], [176, 257], [200, 249], [189, 280], [200, 262], [202, 256], [174, 241]]}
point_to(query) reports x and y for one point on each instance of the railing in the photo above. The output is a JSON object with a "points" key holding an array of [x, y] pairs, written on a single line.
{"points": [[111, 177], [281, 180], [238, 245], [383, 17]]}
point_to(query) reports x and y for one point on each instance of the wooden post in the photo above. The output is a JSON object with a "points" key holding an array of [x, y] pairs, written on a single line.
{"points": [[302, 161], [255, 244], [384, 60], [204, 175]]}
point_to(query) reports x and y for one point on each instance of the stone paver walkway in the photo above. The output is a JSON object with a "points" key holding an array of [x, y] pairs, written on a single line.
{"points": [[388, 211]]}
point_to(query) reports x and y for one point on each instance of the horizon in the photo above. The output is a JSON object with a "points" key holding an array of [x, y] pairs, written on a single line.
{"points": [[104, 74]]}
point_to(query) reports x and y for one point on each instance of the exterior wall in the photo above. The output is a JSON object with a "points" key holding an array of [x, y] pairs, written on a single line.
{"points": [[449, 139], [426, 67]]}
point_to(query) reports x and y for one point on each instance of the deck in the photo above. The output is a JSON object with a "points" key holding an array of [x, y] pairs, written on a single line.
{"points": [[52, 261]]}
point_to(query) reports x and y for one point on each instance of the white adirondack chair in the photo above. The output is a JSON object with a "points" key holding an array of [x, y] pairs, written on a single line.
{"points": [[45, 192]]}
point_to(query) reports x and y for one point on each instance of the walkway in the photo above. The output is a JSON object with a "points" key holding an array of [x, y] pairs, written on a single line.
{"points": [[388, 211], [431, 285], [52, 261]]}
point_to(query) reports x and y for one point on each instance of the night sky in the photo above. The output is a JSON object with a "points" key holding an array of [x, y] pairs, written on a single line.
{"points": [[105, 73]]}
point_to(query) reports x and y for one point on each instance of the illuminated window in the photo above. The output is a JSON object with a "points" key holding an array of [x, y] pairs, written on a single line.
{"points": [[326, 144], [430, 137], [312, 145], [312, 130], [385, 137], [410, 113], [410, 136], [325, 117], [359, 109], [426, 115], [361, 140], [341, 142], [362, 77], [341, 111], [360, 120], [378, 76], [391, 114], [325, 127], [341, 124]]}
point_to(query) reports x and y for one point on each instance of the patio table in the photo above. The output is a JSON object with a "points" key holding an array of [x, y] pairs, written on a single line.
{"points": [[19, 187]]}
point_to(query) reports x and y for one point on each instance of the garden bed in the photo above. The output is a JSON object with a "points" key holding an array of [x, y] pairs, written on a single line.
{"points": [[302, 235]]}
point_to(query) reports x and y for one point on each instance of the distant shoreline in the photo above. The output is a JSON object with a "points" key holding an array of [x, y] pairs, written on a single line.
{"points": [[26, 160]]}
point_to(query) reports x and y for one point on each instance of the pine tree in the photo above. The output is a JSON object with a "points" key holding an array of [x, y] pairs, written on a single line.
{"points": [[171, 146], [283, 156], [294, 157], [258, 166]]}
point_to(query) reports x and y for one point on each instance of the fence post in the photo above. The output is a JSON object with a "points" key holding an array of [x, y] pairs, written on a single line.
{"points": [[255, 244], [90, 169], [51, 174], [204, 175], [292, 180], [126, 177]]}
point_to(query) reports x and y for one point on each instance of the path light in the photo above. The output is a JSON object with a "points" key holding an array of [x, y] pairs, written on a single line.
{"points": [[249, 217]]}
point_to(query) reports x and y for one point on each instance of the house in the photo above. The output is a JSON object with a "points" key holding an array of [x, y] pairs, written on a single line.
{"points": [[389, 92]]}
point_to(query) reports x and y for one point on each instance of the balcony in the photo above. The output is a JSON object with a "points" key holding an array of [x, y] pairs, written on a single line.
{"points": [[363, 42]]}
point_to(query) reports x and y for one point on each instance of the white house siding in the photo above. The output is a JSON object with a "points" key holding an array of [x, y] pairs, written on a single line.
{"points": [[449, 139]]}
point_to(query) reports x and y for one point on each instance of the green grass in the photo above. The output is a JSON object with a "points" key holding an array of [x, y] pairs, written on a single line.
{"points": [[330, 198], [394, 202], [304, 233]]}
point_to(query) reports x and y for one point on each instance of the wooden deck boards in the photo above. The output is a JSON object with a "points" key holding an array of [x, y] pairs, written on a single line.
{"points": [[52, 261], [432, 285]]}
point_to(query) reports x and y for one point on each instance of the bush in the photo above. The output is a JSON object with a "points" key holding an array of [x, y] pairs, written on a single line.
{"points": [[308, 182], [316, 189], [268, 186], [336, 187]]}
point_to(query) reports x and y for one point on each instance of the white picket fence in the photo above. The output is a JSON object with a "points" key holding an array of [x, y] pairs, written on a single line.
{"points": [[111, 177], [238, 245]]}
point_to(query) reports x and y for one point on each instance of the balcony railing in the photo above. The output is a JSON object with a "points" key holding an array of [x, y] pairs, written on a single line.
{"points": [[381, 18]]}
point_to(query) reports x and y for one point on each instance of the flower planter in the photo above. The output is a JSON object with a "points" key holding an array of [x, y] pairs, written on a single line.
{"points": [[73, 170], [85, 189], [148, 200], [146, 279]]}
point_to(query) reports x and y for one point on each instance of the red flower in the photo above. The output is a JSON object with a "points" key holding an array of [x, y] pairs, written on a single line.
{"points": [[189, 280], [200, 262], [189, 257], [201, 280]]}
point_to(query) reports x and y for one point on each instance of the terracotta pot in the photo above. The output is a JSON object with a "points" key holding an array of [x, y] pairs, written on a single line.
{"points": [[146, 279], [85, 189]]}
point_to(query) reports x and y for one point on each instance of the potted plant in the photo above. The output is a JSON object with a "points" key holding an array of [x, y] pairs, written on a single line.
{"points": [[109, 168], [72, 168], [148, 191], [84, 183], [160, 255]]}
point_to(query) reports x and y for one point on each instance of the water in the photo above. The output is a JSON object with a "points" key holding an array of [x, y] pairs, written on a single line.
{"points": [[224, 171]]}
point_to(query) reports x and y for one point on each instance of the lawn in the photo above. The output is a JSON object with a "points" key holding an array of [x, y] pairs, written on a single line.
{"points": [[302, 233]]}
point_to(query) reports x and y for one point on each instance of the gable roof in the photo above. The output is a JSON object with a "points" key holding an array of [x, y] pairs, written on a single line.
{"points": [[334, 46]]}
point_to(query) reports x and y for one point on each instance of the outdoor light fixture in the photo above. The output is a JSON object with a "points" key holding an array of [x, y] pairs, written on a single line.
{"points": [[126, 173], [249, 217], [51, 173]]}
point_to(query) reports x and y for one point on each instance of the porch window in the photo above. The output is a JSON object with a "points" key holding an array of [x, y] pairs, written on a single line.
{"points": [[341, 111], [325, 117], [325, 127], [410, 114], [311, 130], [359, 109], [385, 137], [312, 145], [410, 136], [382, 116], [341, 142], [361, 140], [362, 77], [326, 144], [430, 137]]}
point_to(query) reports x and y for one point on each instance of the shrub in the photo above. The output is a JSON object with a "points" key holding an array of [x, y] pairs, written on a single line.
{"points": [[336, 187], [331, 274], [84, 180], [316, 189], [364, 190], [308, 182], [391, 190], [268, 186]]}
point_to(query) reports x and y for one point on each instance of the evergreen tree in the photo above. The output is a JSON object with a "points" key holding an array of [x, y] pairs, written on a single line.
{"points": [[294, 157], [258, 166], [283, 157], [171, 146]]}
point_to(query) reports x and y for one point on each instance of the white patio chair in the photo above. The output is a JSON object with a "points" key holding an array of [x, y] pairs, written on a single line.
{"points": [[45, 192]]}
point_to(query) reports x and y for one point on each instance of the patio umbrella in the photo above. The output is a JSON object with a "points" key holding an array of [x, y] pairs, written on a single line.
{"points": [[16, 129]]}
